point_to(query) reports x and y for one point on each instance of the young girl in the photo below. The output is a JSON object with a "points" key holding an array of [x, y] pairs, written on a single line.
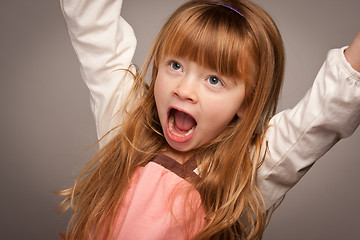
{"points": [[197, 153]]}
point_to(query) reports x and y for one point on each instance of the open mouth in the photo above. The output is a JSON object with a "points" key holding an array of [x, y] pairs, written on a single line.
{"points": [[181, 125]]}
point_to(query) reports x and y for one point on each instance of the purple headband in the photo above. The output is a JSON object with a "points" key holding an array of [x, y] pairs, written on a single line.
{"points": [[227, 6]]}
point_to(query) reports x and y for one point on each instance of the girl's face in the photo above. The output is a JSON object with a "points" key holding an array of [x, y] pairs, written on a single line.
{"points": [[194, 103]]}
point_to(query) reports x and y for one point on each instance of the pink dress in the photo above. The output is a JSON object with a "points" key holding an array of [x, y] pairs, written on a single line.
{"points": [[160, 203]]}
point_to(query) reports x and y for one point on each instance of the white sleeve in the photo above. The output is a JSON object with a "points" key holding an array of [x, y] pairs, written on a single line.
{"points": [[298, 137], [103, 42]]}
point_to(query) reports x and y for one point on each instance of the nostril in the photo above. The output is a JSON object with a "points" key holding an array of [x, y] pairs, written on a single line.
{"points": [[185, 93]]}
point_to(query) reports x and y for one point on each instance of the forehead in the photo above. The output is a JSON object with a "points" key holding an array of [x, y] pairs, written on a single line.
{"points": [[211, 36]]}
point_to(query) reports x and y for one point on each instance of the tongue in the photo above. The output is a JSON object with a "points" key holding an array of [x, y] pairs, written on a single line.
{"points": [[183, 121]]}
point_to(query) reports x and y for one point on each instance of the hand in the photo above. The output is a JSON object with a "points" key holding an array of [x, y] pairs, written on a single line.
{"points": [[352, 54]]}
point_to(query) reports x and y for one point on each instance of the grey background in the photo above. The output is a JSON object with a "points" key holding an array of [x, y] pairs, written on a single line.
{"points": [[46, 123]]}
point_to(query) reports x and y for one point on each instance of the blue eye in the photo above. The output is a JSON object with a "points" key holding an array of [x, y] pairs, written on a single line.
{"points": [[175, 65], [215, 81]]}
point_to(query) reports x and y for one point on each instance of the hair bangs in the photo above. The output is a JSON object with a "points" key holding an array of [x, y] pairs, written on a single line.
{"points": [[213, 37]]}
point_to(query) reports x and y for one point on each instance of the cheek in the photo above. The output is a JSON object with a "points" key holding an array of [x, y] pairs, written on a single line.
{"points": [[223, 112], [218, 117], [157, 91], [160, 85], [160, 99], [225, 107]]}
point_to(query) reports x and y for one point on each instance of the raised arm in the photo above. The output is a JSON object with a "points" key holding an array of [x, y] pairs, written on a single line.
{"points": [[352, 54], [298, 137], [103, 42]]}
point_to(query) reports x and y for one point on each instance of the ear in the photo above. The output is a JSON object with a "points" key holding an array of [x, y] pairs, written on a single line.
{"points": [[242, 111]]}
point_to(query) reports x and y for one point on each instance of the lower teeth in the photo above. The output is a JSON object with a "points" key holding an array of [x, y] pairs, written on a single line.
{"points": [[172, 130]]}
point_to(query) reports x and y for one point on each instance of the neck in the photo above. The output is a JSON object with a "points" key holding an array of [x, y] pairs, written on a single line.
{"points": [[180, 157]]}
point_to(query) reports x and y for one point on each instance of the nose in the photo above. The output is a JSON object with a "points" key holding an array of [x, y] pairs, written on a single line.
{"points": [[187, 89]]}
